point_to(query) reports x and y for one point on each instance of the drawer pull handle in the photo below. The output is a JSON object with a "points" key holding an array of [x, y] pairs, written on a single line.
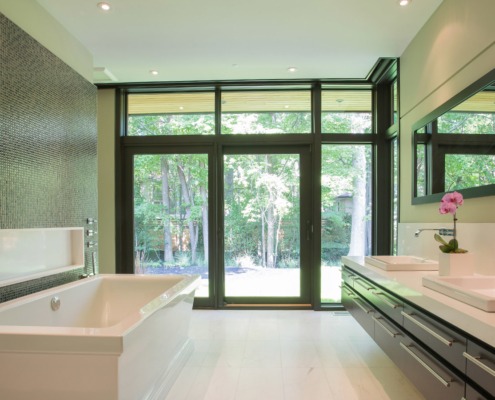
{"points": [[393, 334], [348, 275], [362, 307], [444, 382], [367, 287], [386, 301], [411, 318], [476, 361]]}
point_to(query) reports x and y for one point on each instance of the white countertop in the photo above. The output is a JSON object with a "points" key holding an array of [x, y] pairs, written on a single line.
{"points": [[408, 285]]}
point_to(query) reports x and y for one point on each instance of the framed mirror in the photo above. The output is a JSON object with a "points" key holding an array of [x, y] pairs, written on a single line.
{"points": [[454, 146]]}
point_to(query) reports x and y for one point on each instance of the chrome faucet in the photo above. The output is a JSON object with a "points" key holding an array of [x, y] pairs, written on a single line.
{"points": [[441, 231]]}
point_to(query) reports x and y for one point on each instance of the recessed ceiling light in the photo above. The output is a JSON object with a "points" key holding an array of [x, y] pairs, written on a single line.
{"points": [[404, 2], [292, 69], [103, 6], [153, 72]]}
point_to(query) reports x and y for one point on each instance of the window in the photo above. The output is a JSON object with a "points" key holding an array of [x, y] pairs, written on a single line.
{"points": [[169, 114], [266, 111], [252, 180], [346, 111]]}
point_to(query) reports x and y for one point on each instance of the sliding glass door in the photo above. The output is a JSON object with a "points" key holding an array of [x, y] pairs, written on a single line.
{"points": [[171, 214], [266, 225]]}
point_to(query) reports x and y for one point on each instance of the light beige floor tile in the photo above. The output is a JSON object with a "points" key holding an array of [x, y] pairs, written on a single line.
{"points": [[306, 384], [260, 383], [286, 355]]}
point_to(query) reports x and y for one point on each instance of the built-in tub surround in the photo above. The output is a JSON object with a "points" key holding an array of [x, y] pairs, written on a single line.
{"points": [[27, 254], [106, 337], [477, 238]]}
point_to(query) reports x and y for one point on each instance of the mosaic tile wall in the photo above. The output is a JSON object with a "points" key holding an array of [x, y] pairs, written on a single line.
{"points": [[48, 170]]}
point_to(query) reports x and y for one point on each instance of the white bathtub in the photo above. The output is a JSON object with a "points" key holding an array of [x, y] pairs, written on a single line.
{"points": [[113, 337]]}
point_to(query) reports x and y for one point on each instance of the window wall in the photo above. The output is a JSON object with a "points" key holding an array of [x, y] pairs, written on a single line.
{"points": [[255, 181]]}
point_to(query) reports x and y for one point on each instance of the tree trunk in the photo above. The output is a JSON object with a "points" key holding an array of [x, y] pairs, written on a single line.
{"points": [[270, 237], [263, 241], [193, 237], [358, 228], [204, 212], [168, 255]]}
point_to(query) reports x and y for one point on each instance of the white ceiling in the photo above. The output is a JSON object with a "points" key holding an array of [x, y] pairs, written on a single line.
{"points": [[189, 40]]}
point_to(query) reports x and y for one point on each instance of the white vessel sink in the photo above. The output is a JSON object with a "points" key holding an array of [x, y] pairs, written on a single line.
{"points": [[475, 290], [402, 263]]}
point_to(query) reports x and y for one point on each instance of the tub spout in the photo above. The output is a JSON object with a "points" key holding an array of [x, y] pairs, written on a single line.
{"points": [[441, 231]]}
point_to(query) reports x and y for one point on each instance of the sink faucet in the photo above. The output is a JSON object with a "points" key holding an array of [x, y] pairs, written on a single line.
{"points": [[441, 231]]}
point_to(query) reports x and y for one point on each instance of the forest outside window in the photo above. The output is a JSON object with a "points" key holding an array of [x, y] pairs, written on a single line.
{"points": [[458, 143], [170, 114], [346, 111], [266, 111]]}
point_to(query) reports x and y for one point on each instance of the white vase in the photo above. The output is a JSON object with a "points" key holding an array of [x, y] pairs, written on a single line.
{"points": [[456, 264]]}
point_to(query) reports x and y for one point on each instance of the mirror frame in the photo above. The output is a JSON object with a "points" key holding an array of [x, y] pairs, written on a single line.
{"points": [[480, 191]]}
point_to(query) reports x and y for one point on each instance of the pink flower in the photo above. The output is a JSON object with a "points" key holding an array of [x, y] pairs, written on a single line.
{"points": [[450, 202], [447, 208], [453, 198]]}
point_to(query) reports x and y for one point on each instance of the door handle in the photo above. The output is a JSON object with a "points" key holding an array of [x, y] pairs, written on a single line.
{"points": [[309, 229]]}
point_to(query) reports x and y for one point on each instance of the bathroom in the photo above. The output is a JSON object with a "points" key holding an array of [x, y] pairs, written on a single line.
{"points": [[53, 176]]}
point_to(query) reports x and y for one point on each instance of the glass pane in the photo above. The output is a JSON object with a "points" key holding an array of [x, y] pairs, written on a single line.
{"points": [[420, 169], [396, 102], [345, 211], [346, 111], [476, 115], [171, 215], [270, 112], [171, 114], [262, 232], [395, 195], [468, 170]]}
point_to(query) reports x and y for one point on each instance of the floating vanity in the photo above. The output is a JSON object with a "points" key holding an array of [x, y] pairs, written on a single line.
{"points": [[446, 347]]}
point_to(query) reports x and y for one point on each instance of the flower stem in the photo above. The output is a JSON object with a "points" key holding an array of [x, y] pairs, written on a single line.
{"points": [[455, 229]]}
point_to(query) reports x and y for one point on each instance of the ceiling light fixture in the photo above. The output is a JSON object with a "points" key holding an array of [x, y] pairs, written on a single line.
{"points": [[154, 72], [404, 2], [103, 6], [292, 69]]}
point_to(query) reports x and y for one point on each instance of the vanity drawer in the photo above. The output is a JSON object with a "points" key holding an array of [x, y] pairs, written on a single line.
{"points": [[434, 379], [358, 308], [480, 366], [473, 394], [348, 276], [447, 343], [388, 304]]}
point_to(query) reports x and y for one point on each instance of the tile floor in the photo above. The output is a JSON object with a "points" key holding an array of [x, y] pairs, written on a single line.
{"points": [[286, 355]]}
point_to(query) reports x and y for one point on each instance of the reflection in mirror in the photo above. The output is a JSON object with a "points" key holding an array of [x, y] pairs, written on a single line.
{"points": [[454, 146]]}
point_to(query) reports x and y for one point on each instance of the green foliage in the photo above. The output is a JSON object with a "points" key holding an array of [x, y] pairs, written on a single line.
{"points": [[261, 192], [451, 247]]}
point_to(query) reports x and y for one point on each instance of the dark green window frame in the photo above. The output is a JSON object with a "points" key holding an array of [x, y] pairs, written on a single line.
{"points": [[381, 82]]}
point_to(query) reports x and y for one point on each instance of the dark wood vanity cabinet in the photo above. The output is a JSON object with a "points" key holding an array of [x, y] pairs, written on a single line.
{"points": [[473, 394], [433, 379], [439, 360], [480, 365], [359, 309], [447, 343]]}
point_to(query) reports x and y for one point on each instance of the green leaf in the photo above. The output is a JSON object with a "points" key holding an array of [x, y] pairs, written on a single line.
{"points": [[440, 239], [445, 248], [454, 244]]}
